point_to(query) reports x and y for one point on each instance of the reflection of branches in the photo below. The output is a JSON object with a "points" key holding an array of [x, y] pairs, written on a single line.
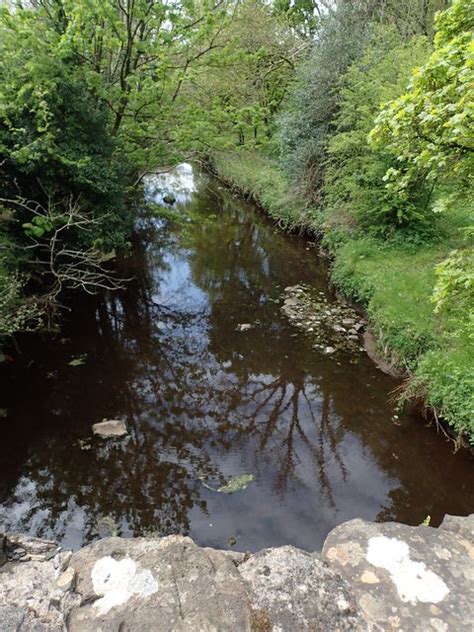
{"points": [[268, 417], [173, 373]]}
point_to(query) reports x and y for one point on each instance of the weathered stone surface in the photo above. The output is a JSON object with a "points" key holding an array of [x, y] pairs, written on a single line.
{"points": [[66, 579], [15, 619], [416, 579], [3, 548], [110, 428], [167, 584], [463, 525], [374, 577], [29, 598], [25, 548], [292, 590]]}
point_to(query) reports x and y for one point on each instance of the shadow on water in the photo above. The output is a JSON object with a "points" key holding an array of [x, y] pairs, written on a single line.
{"points": [[205, 402]]}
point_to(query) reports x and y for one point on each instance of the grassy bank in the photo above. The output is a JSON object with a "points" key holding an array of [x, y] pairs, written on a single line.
{"points": [[394, 281]]}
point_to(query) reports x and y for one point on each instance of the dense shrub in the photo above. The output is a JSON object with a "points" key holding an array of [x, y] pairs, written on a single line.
{"points": [[354, 176], [429, 129]]}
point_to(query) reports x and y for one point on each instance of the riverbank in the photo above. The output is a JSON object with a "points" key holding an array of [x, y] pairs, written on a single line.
{"points": [[368, 577], [393, 281]]}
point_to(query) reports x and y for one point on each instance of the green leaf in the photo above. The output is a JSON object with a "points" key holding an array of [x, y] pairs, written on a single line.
{"points": [[79, 361]]}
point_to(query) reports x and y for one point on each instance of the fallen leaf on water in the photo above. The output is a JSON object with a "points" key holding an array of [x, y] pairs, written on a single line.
{"points": [[235, 484], [78, 361]]}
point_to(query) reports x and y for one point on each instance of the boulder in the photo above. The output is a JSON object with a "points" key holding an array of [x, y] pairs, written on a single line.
{"points": [[167, 584], [293, 590], [18, 619], [417, 579]]}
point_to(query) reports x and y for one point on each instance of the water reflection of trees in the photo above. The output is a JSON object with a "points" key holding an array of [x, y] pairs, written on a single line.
{"points": [[190, 386]]}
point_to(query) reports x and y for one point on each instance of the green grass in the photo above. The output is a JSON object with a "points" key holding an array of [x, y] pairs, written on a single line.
{"points": [[253, 174], [394, 281]]}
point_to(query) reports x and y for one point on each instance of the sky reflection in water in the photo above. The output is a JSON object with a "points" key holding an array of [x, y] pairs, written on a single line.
{"points": [[206, 402]]}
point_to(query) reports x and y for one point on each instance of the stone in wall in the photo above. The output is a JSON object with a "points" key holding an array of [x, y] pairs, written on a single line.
{"points": [[370, 577], [416, 579]]}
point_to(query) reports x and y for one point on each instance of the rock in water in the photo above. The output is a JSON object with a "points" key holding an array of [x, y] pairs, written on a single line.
{"points": [[169, 198], [243, 327], [110, 428]]}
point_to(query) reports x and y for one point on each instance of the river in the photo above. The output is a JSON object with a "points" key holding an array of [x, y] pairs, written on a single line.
{"points": [[313, 437]]}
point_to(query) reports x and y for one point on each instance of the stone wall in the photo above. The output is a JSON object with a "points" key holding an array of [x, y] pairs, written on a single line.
{"points": [[369, 577]]}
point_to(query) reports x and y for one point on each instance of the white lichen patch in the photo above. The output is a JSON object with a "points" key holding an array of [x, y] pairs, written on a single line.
{"points": [[413, 580], [117, 581]]}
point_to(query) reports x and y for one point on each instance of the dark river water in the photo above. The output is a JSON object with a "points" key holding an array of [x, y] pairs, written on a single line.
{"points": [[205, 402]]}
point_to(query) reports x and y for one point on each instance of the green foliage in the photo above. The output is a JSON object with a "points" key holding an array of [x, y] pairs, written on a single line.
{"points": [[309, 117], [454, 289], [354, 190], [446, 380], [94, 93], [260, 178], [302, 15], [53, 133], [429, 129], [17, 312], [234, 101], [399, 284]]}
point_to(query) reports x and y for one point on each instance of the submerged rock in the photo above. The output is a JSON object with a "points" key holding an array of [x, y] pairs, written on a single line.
{"points": [[332, 326], [244, 327], [110, 428]]}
